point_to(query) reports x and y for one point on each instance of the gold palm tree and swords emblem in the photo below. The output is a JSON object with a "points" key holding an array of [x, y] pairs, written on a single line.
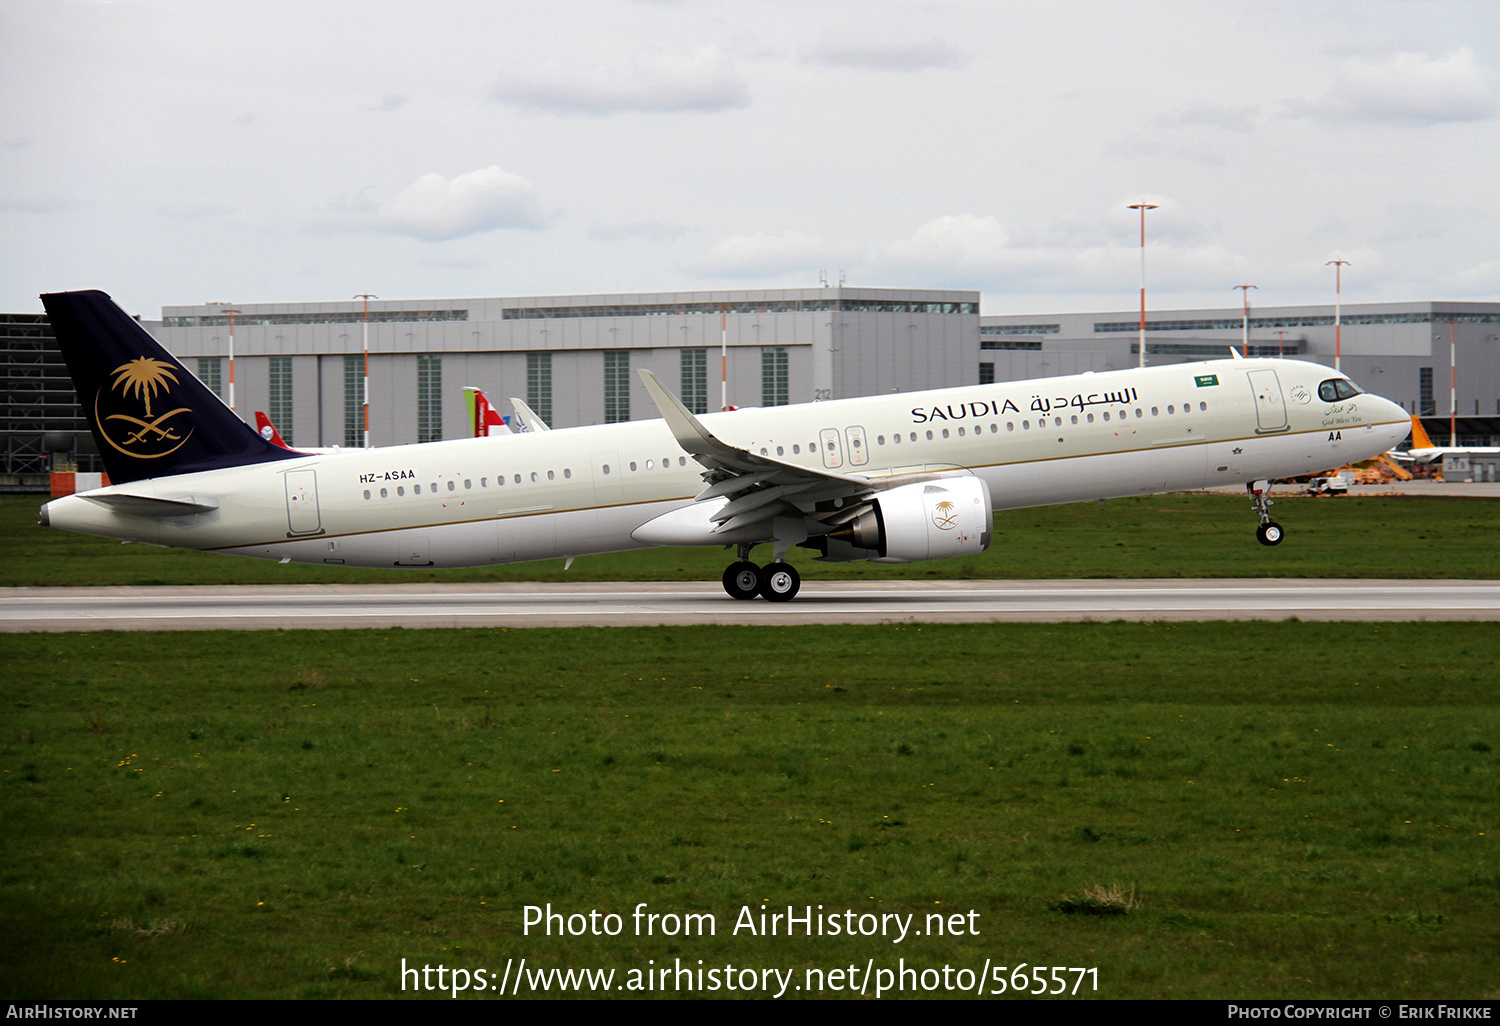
{"points": [[148, 436], [945, 516]]}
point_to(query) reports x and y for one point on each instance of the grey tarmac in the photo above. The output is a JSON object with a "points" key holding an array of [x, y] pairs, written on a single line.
{"points": [[280, 607]]}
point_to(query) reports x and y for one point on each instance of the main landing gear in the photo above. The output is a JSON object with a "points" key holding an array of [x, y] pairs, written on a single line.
{"points": [[775, 582], [1269, 532]]}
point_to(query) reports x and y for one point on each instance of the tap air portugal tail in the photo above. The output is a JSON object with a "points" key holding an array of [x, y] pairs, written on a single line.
{"points": [[484, 419]]}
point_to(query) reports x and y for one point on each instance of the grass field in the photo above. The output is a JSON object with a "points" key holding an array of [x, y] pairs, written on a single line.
{"points": [[1198, 535], [1300, 810]]}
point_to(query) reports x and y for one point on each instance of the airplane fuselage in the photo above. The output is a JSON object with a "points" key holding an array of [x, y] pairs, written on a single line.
{"points": [[583, 490]]}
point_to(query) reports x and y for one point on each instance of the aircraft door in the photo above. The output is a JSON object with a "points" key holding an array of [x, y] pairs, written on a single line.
{"points": [[859, 455], [1270, 405], [302, 503], [609, 484], [832, 446]]}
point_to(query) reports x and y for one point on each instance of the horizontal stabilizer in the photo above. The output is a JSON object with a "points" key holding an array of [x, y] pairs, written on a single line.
{"points": [[151, 506]]}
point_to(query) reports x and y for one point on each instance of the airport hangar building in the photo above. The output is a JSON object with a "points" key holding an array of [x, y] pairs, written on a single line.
{"points": [[573, 358]]}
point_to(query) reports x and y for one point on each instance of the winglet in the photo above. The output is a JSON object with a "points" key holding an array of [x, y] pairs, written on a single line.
{"points": [[695, 439], [528, 416]]}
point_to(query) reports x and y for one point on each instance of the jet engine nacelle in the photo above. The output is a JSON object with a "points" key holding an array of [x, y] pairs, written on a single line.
{"points": [[929, 520]]}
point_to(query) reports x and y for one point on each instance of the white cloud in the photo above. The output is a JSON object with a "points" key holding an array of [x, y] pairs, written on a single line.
{"points": [[437, 209], [1479, 280], [955, 242], [764, 255], [902, 56], [1406, 88], [966, 251], [702, 81]]}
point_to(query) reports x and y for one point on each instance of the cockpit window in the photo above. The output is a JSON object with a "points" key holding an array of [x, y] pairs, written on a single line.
{"points": [[1334, 389]]}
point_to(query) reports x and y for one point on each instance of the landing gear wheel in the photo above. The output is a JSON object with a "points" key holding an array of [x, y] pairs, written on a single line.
{"points": [[779, 582], [742, 580], [1269, 533]]}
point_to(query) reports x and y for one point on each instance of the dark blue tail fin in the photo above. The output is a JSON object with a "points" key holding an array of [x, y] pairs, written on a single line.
{"points": [[150, 416]]}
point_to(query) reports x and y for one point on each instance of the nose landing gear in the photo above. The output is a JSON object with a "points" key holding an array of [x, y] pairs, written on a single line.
{"points": [[1269, 532]]}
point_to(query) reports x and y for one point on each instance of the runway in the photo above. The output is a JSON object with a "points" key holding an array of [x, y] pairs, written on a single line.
{"points": [[647, 604]]}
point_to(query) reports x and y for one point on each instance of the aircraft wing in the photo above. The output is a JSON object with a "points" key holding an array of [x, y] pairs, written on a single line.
{"points": [[759, 488]]}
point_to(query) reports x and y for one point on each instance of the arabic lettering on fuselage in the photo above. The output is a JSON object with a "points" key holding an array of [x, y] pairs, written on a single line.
{"points": [[1039, 404]]}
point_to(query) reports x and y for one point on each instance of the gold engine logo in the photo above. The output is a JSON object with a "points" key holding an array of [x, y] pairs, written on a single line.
{"points": [[127, 421], [945, 516]]}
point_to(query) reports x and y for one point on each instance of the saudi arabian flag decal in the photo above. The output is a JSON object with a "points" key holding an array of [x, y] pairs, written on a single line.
{"points": [[1206, 380]]}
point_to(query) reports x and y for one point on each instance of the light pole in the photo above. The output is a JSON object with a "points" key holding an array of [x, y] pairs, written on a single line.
{"points": [[724, 356], [1452, 384], [231, 314], [1338, 321], [1245, 342], [1280, 341], [365, 400], [1143, 207]]}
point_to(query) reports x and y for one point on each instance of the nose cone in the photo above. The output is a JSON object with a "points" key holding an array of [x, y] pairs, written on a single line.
{"points": [[1390, 420]]}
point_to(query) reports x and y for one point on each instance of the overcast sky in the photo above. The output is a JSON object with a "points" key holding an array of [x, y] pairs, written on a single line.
{"points": [[187, 151]]}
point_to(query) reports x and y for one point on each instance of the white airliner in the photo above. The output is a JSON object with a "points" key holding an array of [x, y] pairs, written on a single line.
{"points": [[891, 478], [1424, 451]]}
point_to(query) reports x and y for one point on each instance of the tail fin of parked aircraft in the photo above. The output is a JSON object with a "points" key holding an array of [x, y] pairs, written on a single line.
{"points": [[484, 419], [1419, 437], [268, 430], [150, 416]]}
